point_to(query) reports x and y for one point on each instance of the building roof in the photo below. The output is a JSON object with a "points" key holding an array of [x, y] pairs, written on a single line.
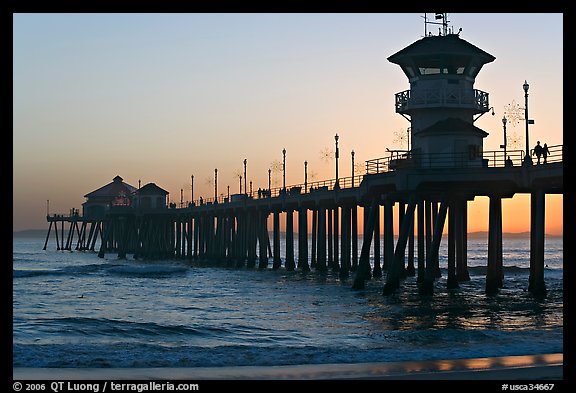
{"points": [[111, 190], [152, 189], [432, 50], [452, 125]]}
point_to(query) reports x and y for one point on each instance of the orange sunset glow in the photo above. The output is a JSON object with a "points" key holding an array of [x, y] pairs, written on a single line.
{"points": [[164, 97]]}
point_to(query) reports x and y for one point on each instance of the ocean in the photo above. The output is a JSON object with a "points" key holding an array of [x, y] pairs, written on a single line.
{"points": [[72, 309]]}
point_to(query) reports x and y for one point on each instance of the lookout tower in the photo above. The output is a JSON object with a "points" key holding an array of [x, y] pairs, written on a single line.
{"points": [[442, 103]]}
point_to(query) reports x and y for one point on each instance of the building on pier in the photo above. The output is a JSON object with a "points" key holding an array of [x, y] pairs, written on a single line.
{"points": [[150, 196], [115, 193]]}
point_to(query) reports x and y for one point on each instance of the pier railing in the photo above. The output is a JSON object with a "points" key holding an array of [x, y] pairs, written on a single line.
{"points": [[496, 158], [408, 99], [396, 160], [291, 190]]}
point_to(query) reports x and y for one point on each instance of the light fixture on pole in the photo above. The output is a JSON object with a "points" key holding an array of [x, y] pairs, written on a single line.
{"points": [[527, 158], [284, 169], [336, 137], [352, 153], [215, 185], [504, 121], [245, 190], [269, 182], [305, 175]]}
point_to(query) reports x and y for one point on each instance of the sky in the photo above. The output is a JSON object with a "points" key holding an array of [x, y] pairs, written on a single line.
{"points": [[164, 97]]}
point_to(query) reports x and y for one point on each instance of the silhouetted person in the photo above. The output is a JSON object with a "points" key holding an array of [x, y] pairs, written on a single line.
{"points": [[509, 162], [537, 151], [545, 152]]}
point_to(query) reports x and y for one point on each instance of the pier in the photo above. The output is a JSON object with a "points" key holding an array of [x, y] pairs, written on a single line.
{"points": [[429, 185], [245, 232]]}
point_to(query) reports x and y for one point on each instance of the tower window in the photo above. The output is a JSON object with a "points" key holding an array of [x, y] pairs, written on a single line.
{"points": [[429, 71]]}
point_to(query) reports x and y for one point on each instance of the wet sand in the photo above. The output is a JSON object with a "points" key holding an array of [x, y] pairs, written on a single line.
{"points": [[529, 367]]}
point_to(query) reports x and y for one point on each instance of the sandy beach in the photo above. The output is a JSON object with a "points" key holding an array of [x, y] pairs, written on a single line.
{"points": [[528, 367]]}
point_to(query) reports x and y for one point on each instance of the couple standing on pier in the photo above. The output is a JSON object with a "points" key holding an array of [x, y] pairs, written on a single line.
{"points": [[541, 151]]}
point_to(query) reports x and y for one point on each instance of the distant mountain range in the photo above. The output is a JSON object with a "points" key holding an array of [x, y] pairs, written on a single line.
{"points": [[476, 235]]}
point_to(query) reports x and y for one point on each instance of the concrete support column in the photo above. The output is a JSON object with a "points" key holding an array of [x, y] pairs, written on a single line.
{"points": [[388, 233], [346, 235], [494, 272], [277, 262], [336, 263], [241, 220], [196, 236], [377, 272], [289, 264], [354, 219], [395, 269], [263, 240], [427, 285], [178, 229], [436, 261], [421, 242], [251, 240], [330, 242], [536, 284], [401, 214], [452, 281], [321, 260], [461, 224], [314, 238], [303, 240], [363, 272]]}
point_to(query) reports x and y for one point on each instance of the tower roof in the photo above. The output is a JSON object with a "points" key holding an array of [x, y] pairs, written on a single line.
{"points": [[452, 125], [434, 51], [152, 189], [113, 189]]}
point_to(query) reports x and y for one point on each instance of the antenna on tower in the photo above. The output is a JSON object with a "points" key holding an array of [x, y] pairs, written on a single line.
{"points": [[437, 16]]}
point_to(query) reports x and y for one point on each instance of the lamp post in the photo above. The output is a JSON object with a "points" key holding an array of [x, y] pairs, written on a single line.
{"points": [[527, 158], [240, 177], [352, 153], [284, 169], [269, 182], [336, 185], [504, 121], [245, 190], [215, 185], [305, 176], [192, 188]]}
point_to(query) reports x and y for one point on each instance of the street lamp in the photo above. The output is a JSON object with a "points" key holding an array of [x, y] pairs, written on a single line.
{"points": [[527, 158], [215, 185], [336, 185], [269, 182], [240, 177], [305, 175], [284, 169], [192, 188], [245, 190], [352, 168], [504, 121]]}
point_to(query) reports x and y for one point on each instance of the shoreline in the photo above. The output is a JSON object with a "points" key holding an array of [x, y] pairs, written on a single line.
{"points": [[524, 367]]}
